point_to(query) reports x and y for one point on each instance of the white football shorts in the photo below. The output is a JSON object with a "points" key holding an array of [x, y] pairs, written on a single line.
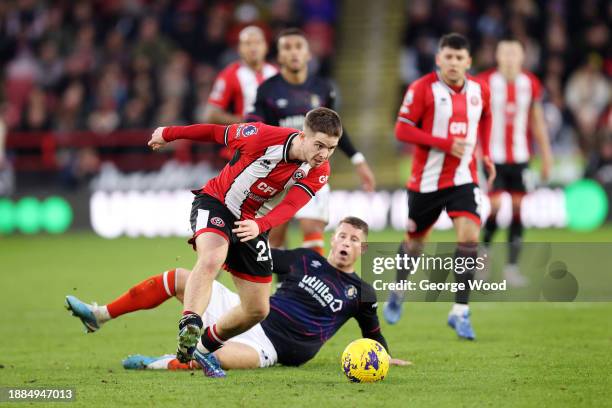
{"points": [[222, 300], [318, 206]]}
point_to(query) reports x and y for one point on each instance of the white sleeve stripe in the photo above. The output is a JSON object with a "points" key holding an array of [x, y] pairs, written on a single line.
{"points": [[166, 286], [408, 121], [308, 190], [226, 134]]}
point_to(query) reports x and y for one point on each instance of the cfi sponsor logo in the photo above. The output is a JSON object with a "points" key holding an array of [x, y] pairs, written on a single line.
{"points": [[249, 130], [350, 292], [320, 291], [299, 174], [217, 221]]}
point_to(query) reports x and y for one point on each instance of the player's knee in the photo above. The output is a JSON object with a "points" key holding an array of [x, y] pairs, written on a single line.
{"points": [[468, 238], [181, 276], [256, 313], [209, 266], [495, 201], [416, 244]]}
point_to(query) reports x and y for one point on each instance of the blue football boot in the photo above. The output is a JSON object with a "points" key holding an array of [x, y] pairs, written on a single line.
{"points": [[393, 308], [84, 312], [462, 325], [210, 365]]}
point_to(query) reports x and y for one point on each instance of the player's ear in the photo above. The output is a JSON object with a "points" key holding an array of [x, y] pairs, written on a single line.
{"points": [[364, 247]]}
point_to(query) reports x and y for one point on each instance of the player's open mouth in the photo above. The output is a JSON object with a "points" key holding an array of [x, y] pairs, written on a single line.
{"points": [[343, 253]]}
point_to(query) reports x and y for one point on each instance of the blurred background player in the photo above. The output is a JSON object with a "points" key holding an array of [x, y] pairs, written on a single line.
{"points": [[284, 100], [226, 231], [233, 93], [516, 111], [298, 324], [444, 114]]}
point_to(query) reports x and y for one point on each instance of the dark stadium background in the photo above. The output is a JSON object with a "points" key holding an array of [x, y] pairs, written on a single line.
{"points": [[85, 82]]}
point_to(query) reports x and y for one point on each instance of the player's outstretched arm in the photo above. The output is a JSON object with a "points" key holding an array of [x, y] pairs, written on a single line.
{"points": [[218, 116], [406, 131], [295, 199], [201, 133], [540, 133], [484, 133], [368, 181]]}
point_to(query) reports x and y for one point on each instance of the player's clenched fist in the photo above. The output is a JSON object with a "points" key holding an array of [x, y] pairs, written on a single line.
{"points": [[157, 140], [458, 147]]}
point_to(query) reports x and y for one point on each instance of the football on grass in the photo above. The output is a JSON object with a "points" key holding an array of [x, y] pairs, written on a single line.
{"points": [[365, 360]]}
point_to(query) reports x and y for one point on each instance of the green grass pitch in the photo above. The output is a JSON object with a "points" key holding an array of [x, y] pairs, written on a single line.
{"points": [[527, 354]]}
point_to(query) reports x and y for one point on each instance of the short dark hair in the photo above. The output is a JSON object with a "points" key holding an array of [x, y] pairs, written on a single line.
{"points": [[511, 38], [324, 120], [291, 31], [357, 223], [455, 41]]}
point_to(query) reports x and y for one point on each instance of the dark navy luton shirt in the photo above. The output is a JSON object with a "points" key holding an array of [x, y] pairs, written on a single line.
{"points": [[280, 103], [313, 302]]}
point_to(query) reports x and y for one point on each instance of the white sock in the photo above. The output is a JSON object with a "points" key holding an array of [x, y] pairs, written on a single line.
{"points": [[459, 309], [201, 348], [101, 313], [161, 364]]}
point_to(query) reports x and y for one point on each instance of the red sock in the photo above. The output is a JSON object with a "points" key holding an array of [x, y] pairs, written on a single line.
{"points": [[314, 241], [175, 365], [146, 295]]}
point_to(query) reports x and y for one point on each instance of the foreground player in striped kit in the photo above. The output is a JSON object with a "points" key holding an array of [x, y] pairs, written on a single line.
{"points": [[516, 109], [233, 93], [444, 114], [318, 297], [227, 218]]}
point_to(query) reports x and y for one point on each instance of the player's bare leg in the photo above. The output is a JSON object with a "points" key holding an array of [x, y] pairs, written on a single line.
{"points": [[212, 252], [468, 231], [312, 233], [234, 355], [278, 236], [253, 308]]}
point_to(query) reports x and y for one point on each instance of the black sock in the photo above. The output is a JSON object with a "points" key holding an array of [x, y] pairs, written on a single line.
{"points": [[401, 273], [489, 229], [468, 252], [515, 239], [209, 341]]}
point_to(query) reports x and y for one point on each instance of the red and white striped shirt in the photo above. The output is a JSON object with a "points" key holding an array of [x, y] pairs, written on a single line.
{"points": [[511, 104], [235, 88], [261, 171], [431, 116]]}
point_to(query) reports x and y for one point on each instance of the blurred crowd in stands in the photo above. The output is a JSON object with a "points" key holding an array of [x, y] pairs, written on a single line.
{"points": [[568, 46], [103, 65]]}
